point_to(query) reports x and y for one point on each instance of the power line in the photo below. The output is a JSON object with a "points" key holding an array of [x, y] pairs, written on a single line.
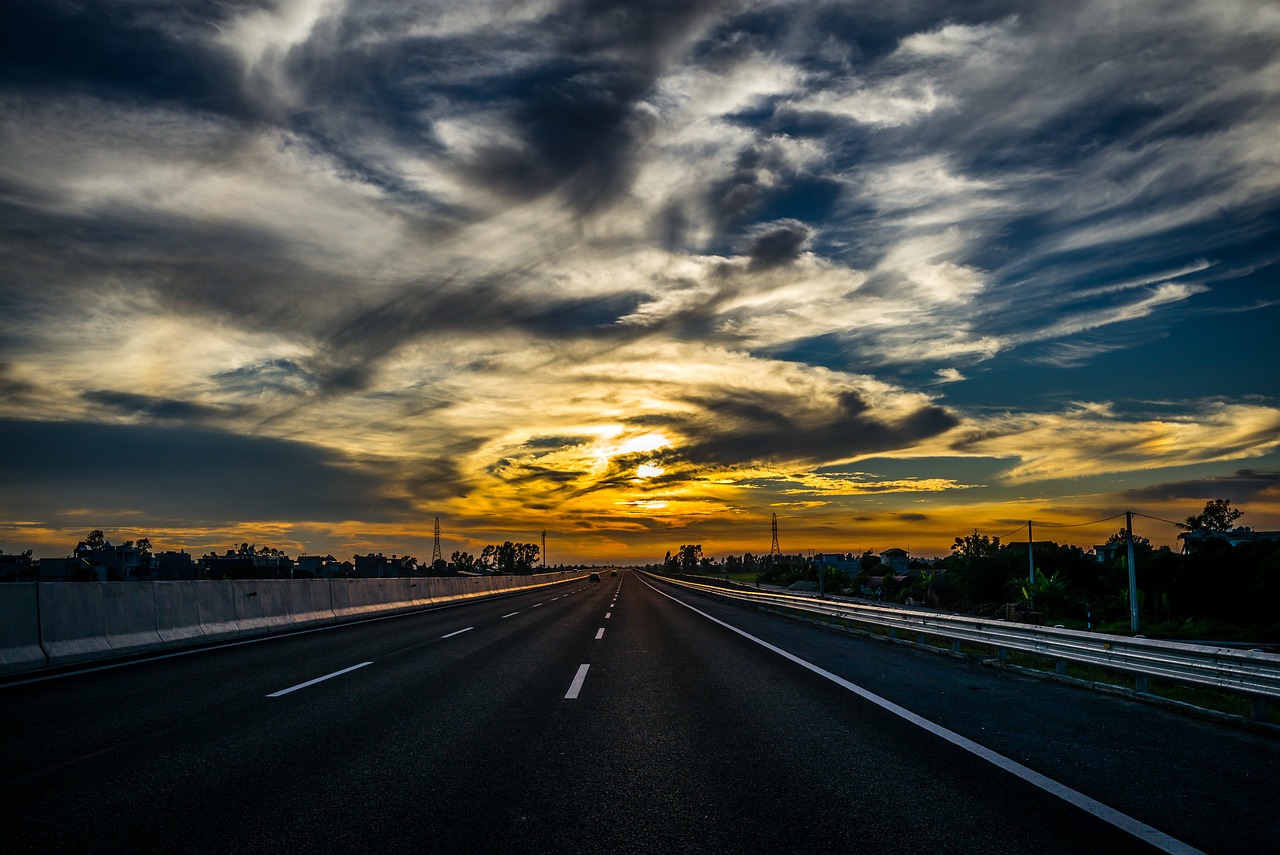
{"points": [[1158, 519], [1063, 525], [1078, 525]]}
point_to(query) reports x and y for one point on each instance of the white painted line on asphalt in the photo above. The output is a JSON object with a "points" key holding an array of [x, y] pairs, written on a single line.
{"points": [[535, 605], [459, 632], [317, 680], [1124, 822], [608, 615], [576, 685], [599, 633], [111, 666], [504, 617]]}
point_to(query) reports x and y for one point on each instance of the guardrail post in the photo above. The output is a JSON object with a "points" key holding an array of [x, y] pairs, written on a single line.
{"points": [[1002, 655], [1060, 667], [920, 638], [955, 646], [1259, 708], [1142, 683], [893, 632]]}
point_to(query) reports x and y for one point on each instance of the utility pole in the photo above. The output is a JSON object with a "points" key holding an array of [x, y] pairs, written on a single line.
{"points": [[544, 549], [1133, 573], [1031, 565]]}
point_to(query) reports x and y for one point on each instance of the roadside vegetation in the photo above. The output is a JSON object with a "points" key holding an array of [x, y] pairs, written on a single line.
{"points": [[1218, 592]]}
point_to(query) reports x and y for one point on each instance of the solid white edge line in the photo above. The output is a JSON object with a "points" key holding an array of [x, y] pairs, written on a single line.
{"points": [[459, 632], [1122, 821], [317, 680], [599, 633], [576, 686]]}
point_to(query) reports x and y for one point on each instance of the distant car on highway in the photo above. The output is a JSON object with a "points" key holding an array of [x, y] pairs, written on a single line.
{"points": [[613, 572], [594, 577]]}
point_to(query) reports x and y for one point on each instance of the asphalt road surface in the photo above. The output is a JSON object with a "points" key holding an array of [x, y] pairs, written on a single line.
{"points": [[622, 716]]}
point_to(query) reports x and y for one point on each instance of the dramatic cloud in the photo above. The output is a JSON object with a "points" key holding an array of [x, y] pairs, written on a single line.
{"points": [[164, 477], [1244, 485], [617, 269]]}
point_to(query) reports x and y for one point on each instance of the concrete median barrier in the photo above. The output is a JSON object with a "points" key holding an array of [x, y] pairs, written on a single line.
{"points": [[178, 613], [20, 648], [310, 602], [73, 621], [217, 605], [130, 612], [355, 598], [56, 623], [261, 604]]}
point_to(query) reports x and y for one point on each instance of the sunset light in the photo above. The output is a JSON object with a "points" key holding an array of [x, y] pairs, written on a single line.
{"points": [[894, 279]]}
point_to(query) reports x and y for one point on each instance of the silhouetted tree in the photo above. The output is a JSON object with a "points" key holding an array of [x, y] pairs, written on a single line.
{"points": [[690, 555], [1218, 515]]}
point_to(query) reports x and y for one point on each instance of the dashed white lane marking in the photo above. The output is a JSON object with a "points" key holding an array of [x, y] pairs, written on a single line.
{"points": [[576, 686], [1124, 822], [535, 605], [599, 633], [608, 615], [317, 680], [459, 632], [504, 617]]}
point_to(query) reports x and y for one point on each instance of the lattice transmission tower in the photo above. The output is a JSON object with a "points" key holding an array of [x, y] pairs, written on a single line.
{"points": [[435, 550], [773, 548]]}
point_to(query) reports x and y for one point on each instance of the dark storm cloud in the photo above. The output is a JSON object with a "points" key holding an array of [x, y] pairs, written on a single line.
{"points": [[575, 112], [191, 266], [191, 475], [742, 427], [163, 409], [776, 244], [487, 307], [1241, 486], [134, 51]]}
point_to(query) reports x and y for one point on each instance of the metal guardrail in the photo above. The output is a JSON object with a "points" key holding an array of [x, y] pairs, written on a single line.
{"points": [[1248, 672]]}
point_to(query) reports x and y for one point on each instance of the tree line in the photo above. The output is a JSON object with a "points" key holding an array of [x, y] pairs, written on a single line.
{"points": [[1219, 590]]}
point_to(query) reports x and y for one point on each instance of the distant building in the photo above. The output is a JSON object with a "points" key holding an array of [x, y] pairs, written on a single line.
{"points": [[895, 560], [175, 566], [17, 567], [317, 565], [70, 569], [843, 562], [247, 562], [1106, 552], [1193, 540], [116, 563], [377, 565]]}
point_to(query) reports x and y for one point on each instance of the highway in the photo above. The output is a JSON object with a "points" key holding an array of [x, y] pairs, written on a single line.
{"points": [[620, 716]]}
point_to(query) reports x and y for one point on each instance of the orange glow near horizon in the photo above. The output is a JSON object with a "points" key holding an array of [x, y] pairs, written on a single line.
{"points": [[641, 530]]}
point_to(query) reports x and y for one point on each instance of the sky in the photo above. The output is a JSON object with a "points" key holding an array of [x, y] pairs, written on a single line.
{"points": [[314, 273]]}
